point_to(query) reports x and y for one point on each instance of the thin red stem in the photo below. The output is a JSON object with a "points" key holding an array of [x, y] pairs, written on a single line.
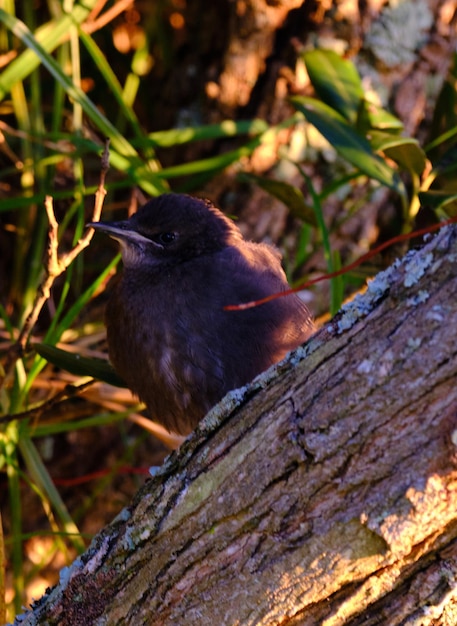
{"points": [[343, 270]]}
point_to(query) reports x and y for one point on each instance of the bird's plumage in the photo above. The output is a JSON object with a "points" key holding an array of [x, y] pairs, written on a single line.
{"points": [[169, 336]]}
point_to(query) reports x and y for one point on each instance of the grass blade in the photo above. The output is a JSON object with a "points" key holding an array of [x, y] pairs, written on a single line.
{"points": [[349, 144]]}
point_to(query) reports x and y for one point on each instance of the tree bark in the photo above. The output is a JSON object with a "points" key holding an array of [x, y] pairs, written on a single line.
{"points": [[323, 493]]}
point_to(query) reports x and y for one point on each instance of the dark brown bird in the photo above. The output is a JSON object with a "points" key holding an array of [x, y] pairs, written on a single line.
{"points": [[169, 336]]}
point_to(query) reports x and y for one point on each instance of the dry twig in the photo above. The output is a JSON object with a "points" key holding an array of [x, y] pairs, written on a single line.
{"points": [[69, 391], [55, 263], [95, 21]]}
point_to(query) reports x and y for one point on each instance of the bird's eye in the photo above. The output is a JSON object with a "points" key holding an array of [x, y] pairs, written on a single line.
{"points": [[165, 238]]}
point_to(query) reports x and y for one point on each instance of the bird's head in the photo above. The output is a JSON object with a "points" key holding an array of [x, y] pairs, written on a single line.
{"points": [[170, 229]]}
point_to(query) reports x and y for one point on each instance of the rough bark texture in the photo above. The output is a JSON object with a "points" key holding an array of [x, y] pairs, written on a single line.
{"points": [[323, 493]]}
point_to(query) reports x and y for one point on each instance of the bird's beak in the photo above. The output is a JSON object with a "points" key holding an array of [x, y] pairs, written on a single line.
{"points": [[120, 231]]}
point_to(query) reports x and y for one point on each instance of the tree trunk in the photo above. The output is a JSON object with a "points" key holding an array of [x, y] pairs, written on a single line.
{"points": [[323, 493]]}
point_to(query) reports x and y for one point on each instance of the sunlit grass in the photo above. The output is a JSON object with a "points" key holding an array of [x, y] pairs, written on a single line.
{"points": [[52, 129]]}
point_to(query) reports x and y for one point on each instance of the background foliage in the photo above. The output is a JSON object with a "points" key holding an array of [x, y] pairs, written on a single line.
{"points": [[320, 155]]}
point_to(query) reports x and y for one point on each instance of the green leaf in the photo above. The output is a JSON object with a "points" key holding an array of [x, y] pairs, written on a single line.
{"points": [[335, 283], [78, 365], [405, 151], [374, 116], [447, 163], [111, 80], [439, 200], [127, 157], [47, 490], [227, 128], [48, 37], [214, 163], [290, 195], [349, 144], [336, 81], [338, 283], [58, 326]]}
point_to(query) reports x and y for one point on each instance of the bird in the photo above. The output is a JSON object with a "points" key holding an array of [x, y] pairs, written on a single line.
{"points": [[170, 334]]}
